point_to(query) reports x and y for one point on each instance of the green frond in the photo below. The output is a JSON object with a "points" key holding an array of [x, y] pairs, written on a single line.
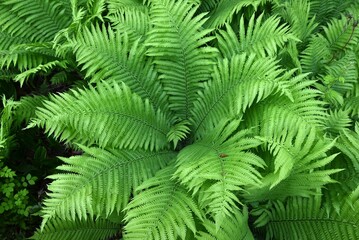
{"points": [[58, 229], [295, 170], [337, 121], [342, 75], [163, 209], [341, 34], [297, 14], [218, 167], [302, 218], [109, 115], [352, 105], [115, 6], [108, 55], [228, 93], [22, 77], [324, 10], [178, 132], [27, 55], [99, 182], [316, 55], [256, 37], [225, 9], [27, 106], [180, 54], [277, 112], [36, 20], [134, 22], [233, 227], [348, 144]]}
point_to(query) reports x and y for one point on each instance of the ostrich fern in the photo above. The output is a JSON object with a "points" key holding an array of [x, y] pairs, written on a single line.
{"points": [[200, 119]]}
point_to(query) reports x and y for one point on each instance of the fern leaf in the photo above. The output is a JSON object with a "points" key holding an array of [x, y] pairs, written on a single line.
{"points": [[163, 209], [233, 227], [132, 21], [303, 219], [219, 166], [225, 9], [108, 55], [298, 159], [260, 37], [99, 182], [110, 116], [26, 108], [227, 94], [58, 229], [297, 14], [179, 55]]}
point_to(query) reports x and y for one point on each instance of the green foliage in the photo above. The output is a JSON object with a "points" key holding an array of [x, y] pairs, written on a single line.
{"points": [[187, 119]]}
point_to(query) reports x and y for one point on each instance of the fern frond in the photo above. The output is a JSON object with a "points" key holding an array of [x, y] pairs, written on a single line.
{"points": [[303, 218], [108, 115], [225, 9], [108, 55], [337, 121], [27, 55], [163, 209], [131, 21], [22, 77], [99, 182], [58, 229], [344, 73], [115, 6], [26, 107], [220, 166], [341, 34], [316, 55], [298, 159], [297, 14], [227, 94], [37, 20], [233, 227], [180, 55], [348, 143], [352, 105], [258, 37]]}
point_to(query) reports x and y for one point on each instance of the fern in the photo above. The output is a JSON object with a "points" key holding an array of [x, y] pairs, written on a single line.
{"points": [[210, 119], [78, 229], [163, 205], [304, 219], [115, 172], [104, 111], [180, 57]]}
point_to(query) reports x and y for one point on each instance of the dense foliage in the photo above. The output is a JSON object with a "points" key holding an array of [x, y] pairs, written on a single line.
{"points": [[184, 119]]}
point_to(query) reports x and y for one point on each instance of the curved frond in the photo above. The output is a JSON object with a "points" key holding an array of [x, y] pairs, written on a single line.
{"points": [[233, 227], [218, 167], [298, 161], [228, 93], [134, 22], [257, 37], [26, 108], [163, 209], [108, 55], [297, 14], [179, 54], [58, 229], [99, 182], [303, 219], [225, 9], [108, 115]]}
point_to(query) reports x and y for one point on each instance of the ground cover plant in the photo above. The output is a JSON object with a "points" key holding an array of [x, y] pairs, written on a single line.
{"points": [[184, 119]]}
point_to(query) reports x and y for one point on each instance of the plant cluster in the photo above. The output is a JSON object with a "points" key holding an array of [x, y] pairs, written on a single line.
{"points": [[190, 119]]}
